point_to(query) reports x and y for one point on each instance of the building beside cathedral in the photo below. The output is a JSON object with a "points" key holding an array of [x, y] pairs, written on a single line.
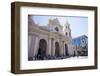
{"points": [[81, 44], [52, 41]]}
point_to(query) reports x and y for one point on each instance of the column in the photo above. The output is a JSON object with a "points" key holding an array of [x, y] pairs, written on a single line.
{"points": [[61, 48], [36, 46], [30, 47], [49, 47], [52, 47]]}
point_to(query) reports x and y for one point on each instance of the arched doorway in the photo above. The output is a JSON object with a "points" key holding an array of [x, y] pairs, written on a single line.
{"points": [[42, 49], [66, 49], [57, 49]]}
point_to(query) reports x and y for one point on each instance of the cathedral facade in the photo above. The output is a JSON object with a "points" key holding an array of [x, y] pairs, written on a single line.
{"points": [[52, 41]]}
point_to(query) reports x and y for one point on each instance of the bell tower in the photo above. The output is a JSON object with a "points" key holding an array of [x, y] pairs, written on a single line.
{"points": [[66, 29]]}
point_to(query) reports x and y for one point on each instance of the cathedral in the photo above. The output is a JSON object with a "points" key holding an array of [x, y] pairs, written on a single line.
{"points": [[52, 41]]}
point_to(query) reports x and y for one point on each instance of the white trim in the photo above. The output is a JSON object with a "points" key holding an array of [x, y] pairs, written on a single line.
{"points": [[25, 64]]}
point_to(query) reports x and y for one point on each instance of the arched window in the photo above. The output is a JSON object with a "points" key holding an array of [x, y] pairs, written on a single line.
{"points": [[56, 28], [66, 34], [66, 26], [69, 34]]}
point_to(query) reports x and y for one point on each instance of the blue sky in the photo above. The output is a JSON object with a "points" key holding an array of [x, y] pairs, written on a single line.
{"points": [[78, 25]]}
